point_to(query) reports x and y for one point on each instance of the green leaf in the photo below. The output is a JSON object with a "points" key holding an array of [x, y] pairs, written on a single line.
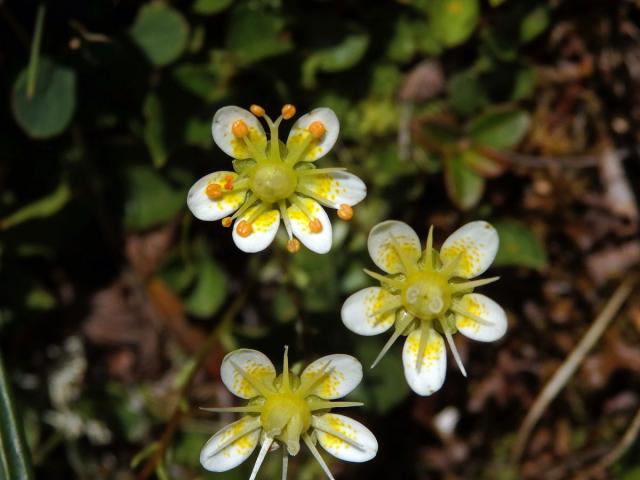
{"points": [[496, 3], [464, 186], [41, 208], [210, 289], [151, 200], [466, 92], [453, 21], [161, 32], [337, 58], [482, 164], [49, 111], [256, 34], [534, 23], [402, 45], [519, 246], [15, 459], [525, 83], [210, 7], [499, 128], [154, 130]]}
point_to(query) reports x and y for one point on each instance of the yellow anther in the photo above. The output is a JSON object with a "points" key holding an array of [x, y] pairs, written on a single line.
{"points": [[317, 129], [213, 191], [244, 228], [257, 110], [293, 245], [315, 226], [288, 111], [226, 222], [239, 129], [345, 212]]}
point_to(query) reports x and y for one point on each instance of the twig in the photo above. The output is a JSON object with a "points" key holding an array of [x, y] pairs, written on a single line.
{"points": [[573, 361], [195, 363], [622, 446]]}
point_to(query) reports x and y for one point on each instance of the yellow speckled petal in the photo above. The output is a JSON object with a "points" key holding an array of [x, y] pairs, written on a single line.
{"points": [[254, 363], [231, 446], [351, 441], [336, 188], [345, 375], [318, 148], [434, 363], [224, 138], [483, 307], [319, 242], [264, 227], [476, 245], [204, 207], [359, 312], [382, 251]]}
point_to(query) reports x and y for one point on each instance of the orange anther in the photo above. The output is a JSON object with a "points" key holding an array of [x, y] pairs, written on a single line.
{"points": [[257, 110], [244, 228], [315, 226], [288, 111], [226, 222], [228, 182], [239, 129], [317, 129], [293, 245], [213, 191], [345, 212]]}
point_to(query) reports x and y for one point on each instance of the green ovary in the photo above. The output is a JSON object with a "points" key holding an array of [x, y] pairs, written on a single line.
{"points": [[426, 295], [286, 416], [273, 181]]}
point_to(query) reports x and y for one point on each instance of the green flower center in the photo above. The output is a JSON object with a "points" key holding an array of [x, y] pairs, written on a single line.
{"points": [[426, 295], [272, 181], [286, 416]]}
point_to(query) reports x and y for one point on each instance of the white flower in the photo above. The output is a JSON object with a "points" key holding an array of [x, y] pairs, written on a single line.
{"points": [[285, 408], [274, 181], [427, 294]]}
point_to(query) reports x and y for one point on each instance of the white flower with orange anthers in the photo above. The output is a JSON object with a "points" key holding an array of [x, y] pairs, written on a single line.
{"points": [[427, 294], [286, 408], [274, 181]]}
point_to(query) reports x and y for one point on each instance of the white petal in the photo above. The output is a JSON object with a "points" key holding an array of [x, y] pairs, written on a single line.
{"points": [[358, 311], [215, 459], [256, 365], [345, 373], [476, 243], [225, 139], [204, 207], [319, 242], [264, 231], [384, 254], [336, 188], [481, 306], [434, 363], [363, 445], [318, 148]]}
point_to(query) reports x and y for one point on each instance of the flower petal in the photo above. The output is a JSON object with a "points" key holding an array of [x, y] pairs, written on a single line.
{"points": [[344, 374], [319, 242], [335, 188], [381, 240], [264, 231], [255, 364], [476, 244], [318, 148], [481, 306], [357, 444], [434, 363], [358, 311], [217, 459], [206, 208], [225, 139]]}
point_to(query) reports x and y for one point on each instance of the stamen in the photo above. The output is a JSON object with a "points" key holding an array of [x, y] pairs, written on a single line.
{"points": [[285, 370], [293, 245], [454, 349], [288, 111], [227, 221], [300, 204], [397, 303], [294, 156], [256, 384], [315, 226], [425, 333], [258, 154], [213, 191], [475, 318], [317, 129], [345, 212], [314, 451], [319, 424], [252, 426], [428, 251], [244, 228], [323, 373], [263, 453], [259, 210], [245, 409], [327, 405], [311, 194], [451, 267], [319, 171], [383, 279], [407, 264], [285, 218], [228, 182], [402, 325], [285, 463], [460, 287], [257, 110], [248, 203], [239, 129]]}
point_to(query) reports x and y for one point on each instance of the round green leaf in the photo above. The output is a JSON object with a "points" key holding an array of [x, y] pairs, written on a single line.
{"points": [[48, 112], [464, 186], [519, 246], [453, 21], [210, 7], [499, 129], [160, 32]]}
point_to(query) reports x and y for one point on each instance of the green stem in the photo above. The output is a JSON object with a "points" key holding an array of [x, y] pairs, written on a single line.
{"points": [[35, 51]]}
